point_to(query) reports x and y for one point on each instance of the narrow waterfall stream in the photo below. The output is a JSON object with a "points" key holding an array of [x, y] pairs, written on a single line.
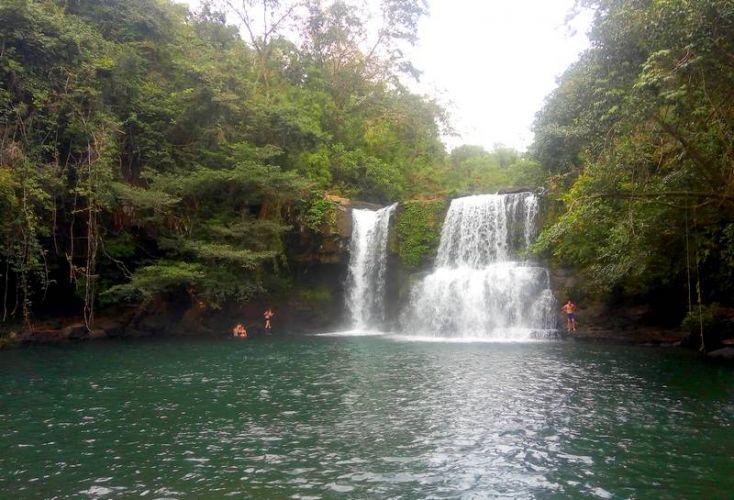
{"points": [[481, 287], [367, 267]]}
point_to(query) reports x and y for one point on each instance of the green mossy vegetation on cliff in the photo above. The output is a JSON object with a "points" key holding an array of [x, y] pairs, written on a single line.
{"points": [[321, 215], [418, 230]]}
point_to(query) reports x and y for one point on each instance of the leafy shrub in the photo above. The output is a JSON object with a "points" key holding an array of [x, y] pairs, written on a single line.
{"points": [[320, 212], [705, 317], [419, 230]]}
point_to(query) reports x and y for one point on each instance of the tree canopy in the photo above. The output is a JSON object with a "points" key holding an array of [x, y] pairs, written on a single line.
{"points": [[145, 149], [638, 144]]}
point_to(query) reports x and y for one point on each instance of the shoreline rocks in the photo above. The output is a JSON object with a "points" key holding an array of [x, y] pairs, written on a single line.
{"points": [[725, 354]]}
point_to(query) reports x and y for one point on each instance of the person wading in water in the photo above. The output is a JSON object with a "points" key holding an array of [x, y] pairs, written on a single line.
{"points": [[570, 309], [239, 331], [268, 315]]}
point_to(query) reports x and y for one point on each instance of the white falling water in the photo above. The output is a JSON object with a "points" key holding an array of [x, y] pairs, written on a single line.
{"points": [[367, 267], [480, 287]]}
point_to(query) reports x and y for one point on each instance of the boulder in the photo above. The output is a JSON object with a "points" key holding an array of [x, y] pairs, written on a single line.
{"points": [[193, 320], [154, 323], [9, 340], [76, 331], [343, 221], [157, 317], [96, 334], [723, 354], [112, 331], [79, 331], [716, 335], [42, 336], [51, 332], [113, 323]]}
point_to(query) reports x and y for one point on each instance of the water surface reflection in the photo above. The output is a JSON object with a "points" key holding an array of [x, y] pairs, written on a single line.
{"points": [[363, 417]]}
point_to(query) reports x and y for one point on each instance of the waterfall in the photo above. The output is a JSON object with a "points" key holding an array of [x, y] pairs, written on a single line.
{"points": [[480, 287], [367, 267]]}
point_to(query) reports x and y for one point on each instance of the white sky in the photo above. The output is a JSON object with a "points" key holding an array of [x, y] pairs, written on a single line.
{"points": [[492, 62], [496, 60]]}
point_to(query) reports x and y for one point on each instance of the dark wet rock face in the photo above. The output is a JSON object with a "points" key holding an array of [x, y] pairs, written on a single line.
{"points": [[717, 334], [725, 354], [76, 332], [317, 271]]}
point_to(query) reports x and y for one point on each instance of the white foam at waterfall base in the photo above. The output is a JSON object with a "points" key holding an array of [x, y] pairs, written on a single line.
{"points": [[351, 333], [367, 268], [480, 289]]}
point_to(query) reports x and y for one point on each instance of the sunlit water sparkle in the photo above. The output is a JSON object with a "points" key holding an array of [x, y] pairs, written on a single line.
{"points": [[372, 416]]}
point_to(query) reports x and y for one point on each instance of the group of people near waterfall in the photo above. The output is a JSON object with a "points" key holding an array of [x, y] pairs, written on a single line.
{"points": [[240, 331], [569, 309]]}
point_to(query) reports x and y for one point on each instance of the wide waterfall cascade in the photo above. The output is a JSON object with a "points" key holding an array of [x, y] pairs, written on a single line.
{"points": [[367, 267], [480, 287]]}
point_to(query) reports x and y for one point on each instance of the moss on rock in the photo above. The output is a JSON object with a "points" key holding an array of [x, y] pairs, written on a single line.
{"points": [[418, 230]]}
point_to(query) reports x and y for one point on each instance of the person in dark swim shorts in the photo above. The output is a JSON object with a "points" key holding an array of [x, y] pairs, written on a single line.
{"points": [[570, 309], [268, 315]]}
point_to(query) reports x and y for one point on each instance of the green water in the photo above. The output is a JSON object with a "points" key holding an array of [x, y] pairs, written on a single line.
{"points": [[369, 417]]}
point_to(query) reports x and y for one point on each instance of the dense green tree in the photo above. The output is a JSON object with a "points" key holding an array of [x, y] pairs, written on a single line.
{"points": [[146, 150], [638, 142], [472, 169], [56, 149]]}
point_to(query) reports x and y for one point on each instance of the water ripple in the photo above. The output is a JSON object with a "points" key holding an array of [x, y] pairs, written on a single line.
{"points": [[363, 417]]}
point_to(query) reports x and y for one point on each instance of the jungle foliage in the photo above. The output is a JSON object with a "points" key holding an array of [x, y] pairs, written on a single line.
{"points": [[418, 230], [638, 146], [146, 150], [474, 170]]}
